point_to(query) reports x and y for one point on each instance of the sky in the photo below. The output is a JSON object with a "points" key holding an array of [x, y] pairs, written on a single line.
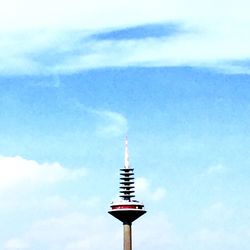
{"points": [[77, 77]]}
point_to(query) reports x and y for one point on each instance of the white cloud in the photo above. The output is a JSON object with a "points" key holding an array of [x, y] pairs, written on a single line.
{"points": [[16, 244], [155, 231], [142, 184], [81, 230], [209, 237], [145, 190], [217, 213], [44, 37], [76, 14], [70, 231], [75, 231], [218, 238], [159, 194], [216, 228], [16, 171]]}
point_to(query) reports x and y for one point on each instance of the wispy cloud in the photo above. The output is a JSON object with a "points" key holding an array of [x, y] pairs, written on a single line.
{"points": [[111, 124], [63, 41], [104, 122], [214, 170]]}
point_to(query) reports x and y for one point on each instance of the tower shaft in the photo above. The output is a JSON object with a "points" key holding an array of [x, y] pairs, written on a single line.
{"points": [[127, 236]]}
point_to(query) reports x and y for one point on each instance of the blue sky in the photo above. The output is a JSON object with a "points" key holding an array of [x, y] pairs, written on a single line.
{"points": [[76, 79]]}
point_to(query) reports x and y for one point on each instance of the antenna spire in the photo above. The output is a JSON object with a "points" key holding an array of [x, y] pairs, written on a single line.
{"points": [[126, 157]]}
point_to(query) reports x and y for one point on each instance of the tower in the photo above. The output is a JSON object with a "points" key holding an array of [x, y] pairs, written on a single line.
{"points": [[126, 209]]}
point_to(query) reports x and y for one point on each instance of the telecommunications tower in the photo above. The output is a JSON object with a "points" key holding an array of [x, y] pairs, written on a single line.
{"points": [[126, 209]]}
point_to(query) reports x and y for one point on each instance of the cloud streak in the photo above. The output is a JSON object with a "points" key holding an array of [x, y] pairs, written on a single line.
{"points": [[115, 124], [110, 124]]}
